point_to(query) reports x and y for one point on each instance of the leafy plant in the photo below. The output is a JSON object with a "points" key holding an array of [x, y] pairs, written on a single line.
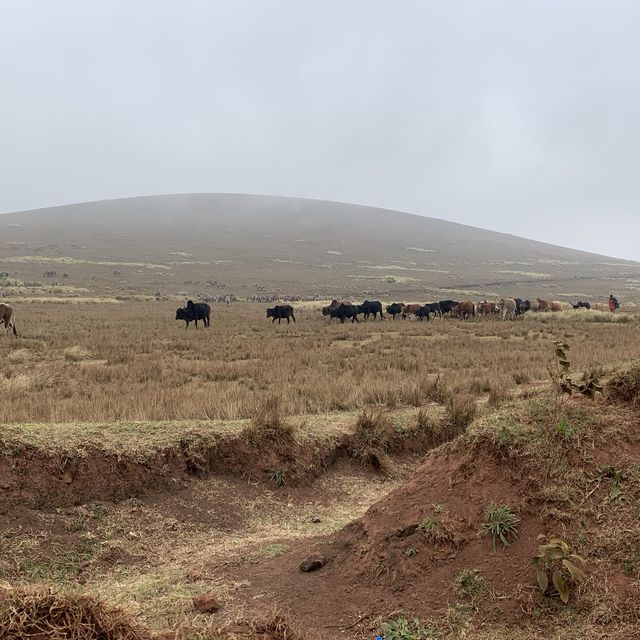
{"points": [[468, 583], [557, 566], [438, 531], [586, 385], [501, 523], [402, 629], [278, 476], [564, 430]]}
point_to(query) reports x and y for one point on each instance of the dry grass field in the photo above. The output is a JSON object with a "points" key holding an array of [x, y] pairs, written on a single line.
{"points": [[145, 465], [132, 361]]}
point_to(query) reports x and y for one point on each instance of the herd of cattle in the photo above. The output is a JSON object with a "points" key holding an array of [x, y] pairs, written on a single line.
{"points": [[505, 308]]}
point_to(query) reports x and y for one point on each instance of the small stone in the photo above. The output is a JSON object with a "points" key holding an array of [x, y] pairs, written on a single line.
{"points": [[411, 552], [312, 563], [206, 603], [315, 520]]}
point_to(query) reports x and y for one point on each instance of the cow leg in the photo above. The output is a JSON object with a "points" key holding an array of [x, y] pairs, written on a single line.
{"points": [[287, 319], [293, 317]]}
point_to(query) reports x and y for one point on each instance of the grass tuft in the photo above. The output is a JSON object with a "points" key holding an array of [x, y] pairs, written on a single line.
{"points": [[269, 423], [77, 354], [47, 615], [625, 385], [462, 409], [501, 523]]}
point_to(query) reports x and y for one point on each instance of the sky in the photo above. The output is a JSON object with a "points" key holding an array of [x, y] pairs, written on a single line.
{"points": [[512, 115]]}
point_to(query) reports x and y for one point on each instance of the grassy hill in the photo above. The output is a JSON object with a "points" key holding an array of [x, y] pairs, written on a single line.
{"points": [[261, 245]]}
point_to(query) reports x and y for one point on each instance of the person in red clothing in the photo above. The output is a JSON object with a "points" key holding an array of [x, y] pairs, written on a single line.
{"points": [[613, 303]]}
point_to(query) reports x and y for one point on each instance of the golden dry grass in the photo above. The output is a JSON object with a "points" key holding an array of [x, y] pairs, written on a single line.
{"points": [[101, 363]]}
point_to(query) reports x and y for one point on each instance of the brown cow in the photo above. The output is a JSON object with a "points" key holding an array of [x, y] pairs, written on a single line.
{"points": [[487, 308], [411, 309], [543, 305], [464, 310], [554, 305], [7, 317]]}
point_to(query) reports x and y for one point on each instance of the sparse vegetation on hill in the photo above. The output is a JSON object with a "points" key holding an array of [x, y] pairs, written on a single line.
{"points": [[194, 243]]}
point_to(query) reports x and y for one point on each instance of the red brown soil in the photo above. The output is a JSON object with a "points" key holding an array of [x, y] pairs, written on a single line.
{"points": [[369, 572], [27, 477], [382, 563], [32, 477]]}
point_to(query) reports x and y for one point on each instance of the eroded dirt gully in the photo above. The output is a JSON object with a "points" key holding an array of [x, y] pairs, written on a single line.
{"points": [[383, 562], [38, 478]]}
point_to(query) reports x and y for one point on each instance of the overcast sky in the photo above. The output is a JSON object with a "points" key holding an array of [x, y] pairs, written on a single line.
{"points": [[515, 116]]}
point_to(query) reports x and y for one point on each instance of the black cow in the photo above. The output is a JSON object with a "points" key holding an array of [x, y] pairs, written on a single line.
{"points": [[434, 308], [280, 312], [369, 307], [395, 309], [581, 305], [424, 312], [194, 312], [346, 311], [446, 306], [522, 306]]}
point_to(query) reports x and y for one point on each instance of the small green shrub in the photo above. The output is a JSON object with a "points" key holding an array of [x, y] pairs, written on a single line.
{"points": [[438, 531], [501, 523], [565, 430], [557, 566], [468, 583], [278, 477], [402, 629], [586, 385]]}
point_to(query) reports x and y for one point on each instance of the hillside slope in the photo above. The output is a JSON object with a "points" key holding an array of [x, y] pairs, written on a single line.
{"points": [[257, 245]]}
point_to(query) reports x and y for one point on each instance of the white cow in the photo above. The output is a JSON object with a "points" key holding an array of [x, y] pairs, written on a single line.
{"points": [[507, 308]]}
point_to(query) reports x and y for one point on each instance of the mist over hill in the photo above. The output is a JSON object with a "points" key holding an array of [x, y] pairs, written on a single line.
{"points": [[254, 245]]}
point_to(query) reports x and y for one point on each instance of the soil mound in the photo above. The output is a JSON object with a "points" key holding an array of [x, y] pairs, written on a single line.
{"points": [[427, 549], [46, 615]]}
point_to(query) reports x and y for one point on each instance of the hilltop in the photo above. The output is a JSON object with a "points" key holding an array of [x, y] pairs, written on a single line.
{"points": [[260, 245]]}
